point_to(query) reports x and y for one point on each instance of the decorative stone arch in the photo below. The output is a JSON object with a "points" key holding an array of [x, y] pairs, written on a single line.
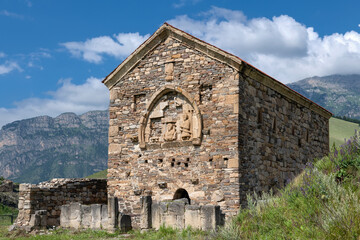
{"points": [[194, 119]]}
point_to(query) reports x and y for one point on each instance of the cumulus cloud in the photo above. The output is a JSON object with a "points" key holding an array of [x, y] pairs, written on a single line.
{"points": [[280, 46], [9, 66], [69, 97], [94, 49]]}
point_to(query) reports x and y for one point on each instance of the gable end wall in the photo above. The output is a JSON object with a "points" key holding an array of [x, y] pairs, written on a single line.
{"points": [[209, 171]]}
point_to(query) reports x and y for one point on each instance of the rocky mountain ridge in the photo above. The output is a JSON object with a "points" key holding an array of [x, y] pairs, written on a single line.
{"points": [[340, 94], [41, 148]]}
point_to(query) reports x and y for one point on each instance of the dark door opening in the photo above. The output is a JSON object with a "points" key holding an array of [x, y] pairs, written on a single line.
{"points": [[181, 193]]}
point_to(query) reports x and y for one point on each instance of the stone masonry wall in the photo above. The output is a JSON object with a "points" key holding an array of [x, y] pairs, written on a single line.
{"points": [[208, 170], [51, 195], [80, 216], [181, 120], [179, 215], [277, 137]]}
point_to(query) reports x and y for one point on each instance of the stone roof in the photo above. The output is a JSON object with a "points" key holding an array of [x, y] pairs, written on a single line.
{"points": [[166, 30]]}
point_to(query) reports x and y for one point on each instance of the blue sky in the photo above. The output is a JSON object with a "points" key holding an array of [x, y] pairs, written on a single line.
{"points": [[54, 54]]}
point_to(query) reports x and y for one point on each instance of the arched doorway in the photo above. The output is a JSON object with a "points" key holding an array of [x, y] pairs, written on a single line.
{"points": [[181, 193], [125, 223]]}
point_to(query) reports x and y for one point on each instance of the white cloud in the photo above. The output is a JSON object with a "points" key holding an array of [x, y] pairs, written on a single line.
{"points": [[9, 66], [281, 46], [2, 54], [69, 97], [182, 3], [11, 14], [119, 46]]}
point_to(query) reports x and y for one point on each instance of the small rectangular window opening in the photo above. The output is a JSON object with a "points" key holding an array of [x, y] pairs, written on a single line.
{"points": [[260, 116]]}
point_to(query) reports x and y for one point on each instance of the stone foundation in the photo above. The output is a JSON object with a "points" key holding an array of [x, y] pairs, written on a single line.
{"points": [[79, 216], [47, 198], [180, 215]]}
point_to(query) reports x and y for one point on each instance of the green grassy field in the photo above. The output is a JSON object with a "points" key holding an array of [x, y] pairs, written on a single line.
{"points": [[340, 130], [102, 174]]}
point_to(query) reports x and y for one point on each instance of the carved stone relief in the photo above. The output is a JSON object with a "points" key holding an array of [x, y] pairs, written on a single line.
{"points": [[172, 118]]}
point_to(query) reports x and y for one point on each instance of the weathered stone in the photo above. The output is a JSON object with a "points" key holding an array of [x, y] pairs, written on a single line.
{"points": [[233, 163], [146, 215], [95, 216], [217, 196], [193, 217], [104, 216], [86, 218], [75, 215], [209, 217], [114, 148]]}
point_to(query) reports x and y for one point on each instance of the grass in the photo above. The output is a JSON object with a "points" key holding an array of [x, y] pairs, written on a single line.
{"points": [[5, 210], [168, 233], [101, 174], [341, 129], [60, 234], [164, 233]]}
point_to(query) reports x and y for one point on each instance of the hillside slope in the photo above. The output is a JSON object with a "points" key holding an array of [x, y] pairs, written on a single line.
{"points": [[41, 148], [341, 130], [339, 94]]}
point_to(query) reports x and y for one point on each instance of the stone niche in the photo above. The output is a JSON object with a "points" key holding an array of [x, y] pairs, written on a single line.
{"points": [[172, 119]]}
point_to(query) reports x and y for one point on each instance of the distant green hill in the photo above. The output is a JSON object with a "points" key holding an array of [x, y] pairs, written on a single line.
{"points": [[102, 174], [341, 130], [340, 94]]}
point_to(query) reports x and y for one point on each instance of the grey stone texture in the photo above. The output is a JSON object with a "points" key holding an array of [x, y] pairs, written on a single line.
{"points": [[79, 216], [187, 115], [177, 214], [52, 195]]}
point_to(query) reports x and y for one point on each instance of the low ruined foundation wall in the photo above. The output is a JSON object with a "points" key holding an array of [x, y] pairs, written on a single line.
{"points": [[79, 216], [50, 196], [179, 214]]}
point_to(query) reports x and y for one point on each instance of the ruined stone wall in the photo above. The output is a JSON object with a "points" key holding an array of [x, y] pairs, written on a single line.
{"points": [[204, 163], [81, 216], [277, 137], [179, 215], [50, 196]]}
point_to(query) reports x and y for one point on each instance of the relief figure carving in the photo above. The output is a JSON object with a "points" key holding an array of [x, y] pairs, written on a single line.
{"points": [[170, 134], [186, 127], [172, 117]]}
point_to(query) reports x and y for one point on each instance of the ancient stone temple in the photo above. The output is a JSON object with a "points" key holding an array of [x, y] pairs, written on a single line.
{"points": [[191, 121]]}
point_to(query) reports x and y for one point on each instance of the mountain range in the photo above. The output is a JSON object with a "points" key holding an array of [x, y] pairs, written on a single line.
{"points": [[340, 94], [41, 148]]}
